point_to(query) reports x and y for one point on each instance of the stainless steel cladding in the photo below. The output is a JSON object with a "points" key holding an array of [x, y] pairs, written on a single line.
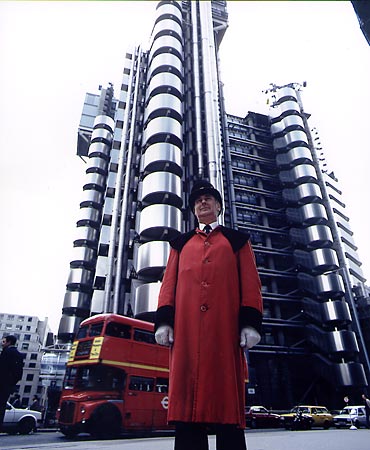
{"points": [[102, 135], [333, 342], [97, 301], [293, 157], [103, 121], [165, 82], [89, 216], [316, 255], [163, 103], [160, 221], [84, 255], [75, 299], [285, 93], [146, 298], [158, 217], [164, 44], [162, 156], [97, 164], [343, 341], [348, 374], [330, 313], [302, 194], [95, 181], [152, 258], [166, 62], [304, 173], [308, 214], [312, 236], [85, 235], [99, 148], [316, 261], [80, 278], [162, 187], [291, 139], [288, 122], [167, 26], [68, 326], [161, 128], [323, 286], [92, 198], [285, 107], [169, 9]]}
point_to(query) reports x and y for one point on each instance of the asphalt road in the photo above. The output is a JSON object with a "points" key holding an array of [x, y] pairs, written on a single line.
{"points": [[256, 440]]}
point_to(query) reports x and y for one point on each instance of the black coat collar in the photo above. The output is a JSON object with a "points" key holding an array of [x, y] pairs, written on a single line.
{"points": [[236, 238]]}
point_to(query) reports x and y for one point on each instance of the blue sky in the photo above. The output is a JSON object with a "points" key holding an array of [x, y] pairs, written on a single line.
{"points": [[51, 53]]}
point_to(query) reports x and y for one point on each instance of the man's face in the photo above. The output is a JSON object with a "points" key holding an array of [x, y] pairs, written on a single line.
{"points": [[206, 208], [5, 343]]}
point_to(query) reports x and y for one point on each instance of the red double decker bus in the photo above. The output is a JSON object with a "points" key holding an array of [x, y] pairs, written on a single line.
{"points": [[116, 379]]}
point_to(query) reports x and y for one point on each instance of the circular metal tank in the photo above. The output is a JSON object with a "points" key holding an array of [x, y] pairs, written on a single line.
{"points": [[162, 187], [160, 222], [152, 258]]}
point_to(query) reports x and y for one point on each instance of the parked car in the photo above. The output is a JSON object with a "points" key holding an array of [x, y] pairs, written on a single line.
{"points": [[351, 415], [18, 420], [321, 417], [260, 417]]}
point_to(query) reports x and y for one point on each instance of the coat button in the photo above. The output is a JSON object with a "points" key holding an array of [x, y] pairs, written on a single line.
{"points": [[203, 308]]}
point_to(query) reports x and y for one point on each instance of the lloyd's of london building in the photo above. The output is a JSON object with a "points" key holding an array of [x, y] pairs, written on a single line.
{"points": [[145, 150]]}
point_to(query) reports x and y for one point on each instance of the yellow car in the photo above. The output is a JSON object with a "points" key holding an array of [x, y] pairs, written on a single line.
{"points": [[320, 416]]}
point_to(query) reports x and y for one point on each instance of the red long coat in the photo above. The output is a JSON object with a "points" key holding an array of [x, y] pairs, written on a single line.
{"points": [[207, 284]]}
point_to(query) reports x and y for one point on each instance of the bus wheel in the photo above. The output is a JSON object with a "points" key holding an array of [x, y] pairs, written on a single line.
{"points": [[105, 421], [69, 432]]}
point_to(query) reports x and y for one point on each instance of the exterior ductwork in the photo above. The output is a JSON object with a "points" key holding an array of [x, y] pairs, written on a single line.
{"points": [[318, 258], [77, 301], [160, 192]]}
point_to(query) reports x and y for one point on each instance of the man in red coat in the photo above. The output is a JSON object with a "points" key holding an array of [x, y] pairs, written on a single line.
{"points": [[209, 310]]}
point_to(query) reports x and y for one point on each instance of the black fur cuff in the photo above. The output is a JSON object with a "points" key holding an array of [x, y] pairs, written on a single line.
{"points": [[250, 317], [165, 315]]}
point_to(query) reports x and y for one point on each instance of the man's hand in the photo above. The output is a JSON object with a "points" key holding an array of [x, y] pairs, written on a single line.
{"points": [[164, 335], [249, 337]]}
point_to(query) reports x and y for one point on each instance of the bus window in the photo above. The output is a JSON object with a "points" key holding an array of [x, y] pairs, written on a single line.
{"points": [[96, 329], [69, 378], [141, 384], [100, 378], [119, 330], [144, 336], [161, 385], [82, 332]]}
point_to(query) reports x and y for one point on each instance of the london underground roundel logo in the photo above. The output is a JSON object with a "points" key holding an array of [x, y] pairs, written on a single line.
{"points": [[164, 402]]}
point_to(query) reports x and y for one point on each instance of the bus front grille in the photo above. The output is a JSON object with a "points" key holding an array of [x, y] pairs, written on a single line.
{"points": [[67, 412]]}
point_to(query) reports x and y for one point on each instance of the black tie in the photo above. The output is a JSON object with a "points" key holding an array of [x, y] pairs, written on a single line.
{"points": [[207, 229]]}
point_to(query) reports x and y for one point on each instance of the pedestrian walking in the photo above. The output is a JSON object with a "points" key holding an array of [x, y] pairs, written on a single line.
{"points": [[16, 401], [35, 405], [209, 311], [11, 369]]}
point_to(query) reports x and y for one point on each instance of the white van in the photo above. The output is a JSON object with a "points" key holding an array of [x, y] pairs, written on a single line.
{"points": [[351, 415]]}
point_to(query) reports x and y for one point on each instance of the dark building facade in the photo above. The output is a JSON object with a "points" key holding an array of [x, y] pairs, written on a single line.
{"points": [[144, 151]]}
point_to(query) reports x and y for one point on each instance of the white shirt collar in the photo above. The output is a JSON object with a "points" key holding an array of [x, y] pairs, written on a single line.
{"points": [[213, 225]]}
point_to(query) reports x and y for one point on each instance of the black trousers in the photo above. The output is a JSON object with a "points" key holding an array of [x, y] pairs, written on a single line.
{"points": [[4, 395], [193, 436]]}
